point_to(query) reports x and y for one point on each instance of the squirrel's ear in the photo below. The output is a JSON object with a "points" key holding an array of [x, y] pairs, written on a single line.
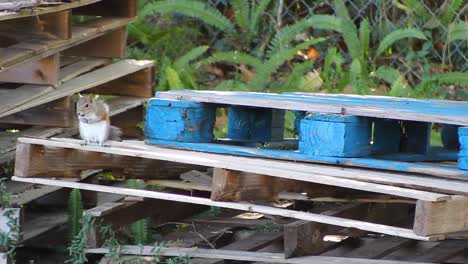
{"points": [[80, 95], [90, 97]]}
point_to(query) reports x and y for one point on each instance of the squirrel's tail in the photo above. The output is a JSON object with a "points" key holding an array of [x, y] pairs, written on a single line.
{"points": [[115, 133]]}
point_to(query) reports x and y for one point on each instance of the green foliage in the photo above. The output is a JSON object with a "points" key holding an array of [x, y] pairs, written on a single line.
{"points": [[139, 229], [396, 35], [458, 31], [332, 71], [75, 213], [434, 82], [203, 11], [78, 244], [181, 73], [451, 9], [5, 197]]}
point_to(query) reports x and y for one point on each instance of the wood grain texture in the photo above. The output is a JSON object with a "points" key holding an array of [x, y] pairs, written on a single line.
{"points": [[46, 10], [110, 45], [441, 217], [114, 8], [44, 71], [350, 223], [432, 111], [328, 175]]}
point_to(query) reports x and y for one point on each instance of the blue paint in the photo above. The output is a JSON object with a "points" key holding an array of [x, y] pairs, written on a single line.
{"points": [[449, 136], [297, 121], [179, 121], [463, 155], [417, 137], [434, 154], [386, 137], [255, 124], [297, 156], [452, 112], [335, 136]]}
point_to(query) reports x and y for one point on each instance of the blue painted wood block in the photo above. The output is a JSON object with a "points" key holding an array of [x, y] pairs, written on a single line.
{"points": [[463, 154], [387, 136], [179, 121], [297, 121], [335, 135], [449, 136], [255, 124], [417, 137]]}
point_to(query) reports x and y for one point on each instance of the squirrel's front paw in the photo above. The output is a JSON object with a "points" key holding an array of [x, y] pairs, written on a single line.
{"points": [[106, 145], [84, 143]]}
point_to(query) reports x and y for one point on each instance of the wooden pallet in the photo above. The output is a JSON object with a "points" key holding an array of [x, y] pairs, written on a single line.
{"points": [[32, 57], [436, 199], [46, 106], [340, 130], [211, 240]]}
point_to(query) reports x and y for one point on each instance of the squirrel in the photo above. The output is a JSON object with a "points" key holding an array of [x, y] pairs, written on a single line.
{"points": [[94, 122]]}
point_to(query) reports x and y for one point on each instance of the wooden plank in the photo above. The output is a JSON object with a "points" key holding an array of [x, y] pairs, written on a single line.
{"points": [[441, 217], [58, 113], [327, 175], [44, 71], [378, 248], [69, 164], [443, 251], [240, 255], [238, 206], [110, 45], [84, 82], [179, 185], [11, 98], [38, 225], [138, 84], [432, 111], [365, 162], [31, 50], [46, 10], [229, 185], [114, 8]]}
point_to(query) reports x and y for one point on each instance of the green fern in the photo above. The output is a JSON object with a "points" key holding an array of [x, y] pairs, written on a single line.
{"points": [[232, 85], [451, 9], [297, 76], [458, 31], [208, 14], [242, 14], [139, 229], [387, 74], [259, 83], [184, 61], [399, 88], [358, 84], [75, 213], [364, 37], [173, 79], [396, 35], [232, 57], [329, 77], [256, 13]]}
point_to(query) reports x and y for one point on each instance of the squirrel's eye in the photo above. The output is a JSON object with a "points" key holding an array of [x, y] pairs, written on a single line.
{"points": [[86, 105]]}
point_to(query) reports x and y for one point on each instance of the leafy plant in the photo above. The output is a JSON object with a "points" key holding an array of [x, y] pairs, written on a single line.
{"points": [[77, 247], [139, 229], [75, 213]]}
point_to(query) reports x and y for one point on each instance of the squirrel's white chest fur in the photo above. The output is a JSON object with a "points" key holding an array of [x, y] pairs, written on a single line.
{"points": [[97, 132]]}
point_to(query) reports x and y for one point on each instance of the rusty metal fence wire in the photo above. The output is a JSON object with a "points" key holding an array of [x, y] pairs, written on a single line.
{"points": [[434, 17]]}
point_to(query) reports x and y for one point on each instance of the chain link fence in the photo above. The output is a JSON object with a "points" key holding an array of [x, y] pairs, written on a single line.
{"points": [[434, 17]]}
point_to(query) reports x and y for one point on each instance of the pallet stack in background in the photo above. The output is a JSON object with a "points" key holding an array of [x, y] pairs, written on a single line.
{"points": [[48, 54]]}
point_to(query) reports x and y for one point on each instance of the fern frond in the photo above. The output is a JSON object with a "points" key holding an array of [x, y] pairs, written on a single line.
{"points": [[311, 82], [256, 12], [162, 82], [458, 31], [359, 86], [173, 79], [396, 35], [448, 78], [364, 37], [75, 213], [242, 14], [286, 35], [231, 85], [296, 76], [399, 88], [348, 30], [452, 8], [270, 66], [193, 54], [387, 74], [208, 14], [329, 79], [232, 57]]}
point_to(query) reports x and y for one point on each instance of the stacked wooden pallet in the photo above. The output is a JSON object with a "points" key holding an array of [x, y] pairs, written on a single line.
{"points": [[48, 54], [397, 176]]}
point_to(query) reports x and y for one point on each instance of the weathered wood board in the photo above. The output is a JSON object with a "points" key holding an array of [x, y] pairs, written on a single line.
{"points": [[432, 111]]}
